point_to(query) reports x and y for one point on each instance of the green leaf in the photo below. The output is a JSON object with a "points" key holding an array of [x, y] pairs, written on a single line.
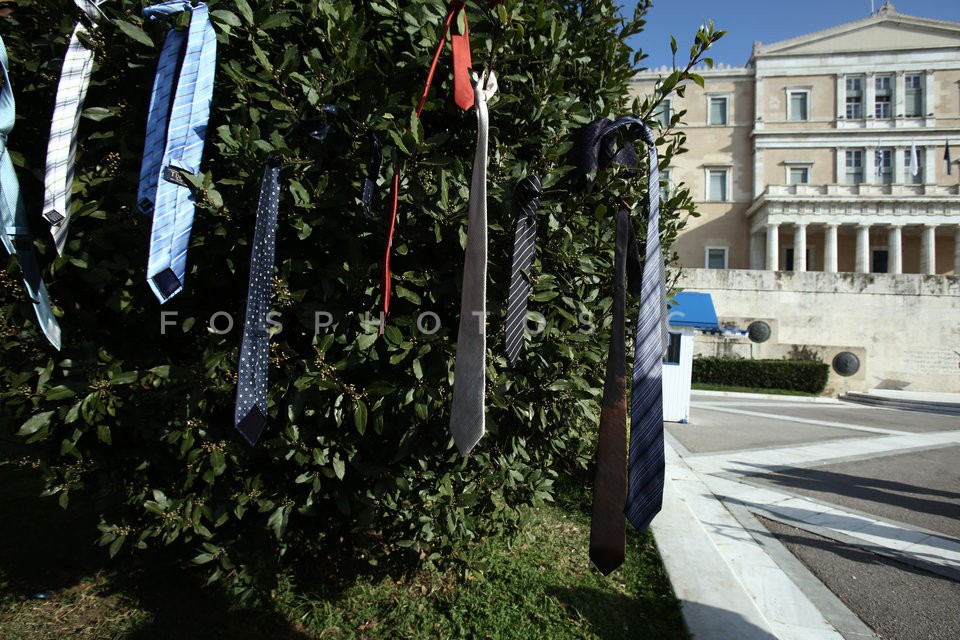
{"points": [[98, 113], [133, 32], [339, 468], [226, 17], [360, 418], [35, 423]]}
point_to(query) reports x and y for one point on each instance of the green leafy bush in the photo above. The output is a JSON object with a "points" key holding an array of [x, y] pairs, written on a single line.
{"points": [[138, 413], [794, 375]]}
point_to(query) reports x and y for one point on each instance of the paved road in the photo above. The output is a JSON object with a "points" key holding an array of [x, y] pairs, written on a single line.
{"points": [[867, 499]]}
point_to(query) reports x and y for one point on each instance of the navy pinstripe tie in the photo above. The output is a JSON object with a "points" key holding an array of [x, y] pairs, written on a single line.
{"points": [[645, 492], [527, 196]]}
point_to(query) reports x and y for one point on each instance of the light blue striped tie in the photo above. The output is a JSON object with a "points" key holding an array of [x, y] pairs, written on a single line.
{"points": [[13, 216], [163, 188], [646, 467]]}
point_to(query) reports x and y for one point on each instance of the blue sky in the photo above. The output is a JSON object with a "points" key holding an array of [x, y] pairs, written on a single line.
{"points": [[763, 20]]}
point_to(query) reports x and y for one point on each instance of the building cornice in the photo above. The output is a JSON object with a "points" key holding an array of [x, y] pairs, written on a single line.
{"points": [[886, 15]]}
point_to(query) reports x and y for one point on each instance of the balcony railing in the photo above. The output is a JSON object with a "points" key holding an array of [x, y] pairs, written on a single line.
{"points": [[861, 190]]}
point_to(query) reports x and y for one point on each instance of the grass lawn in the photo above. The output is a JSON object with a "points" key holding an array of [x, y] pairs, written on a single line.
{"points": [[540, 586]]}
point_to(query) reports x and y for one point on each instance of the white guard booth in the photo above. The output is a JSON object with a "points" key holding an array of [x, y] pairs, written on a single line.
{"points": [[689, 311]]}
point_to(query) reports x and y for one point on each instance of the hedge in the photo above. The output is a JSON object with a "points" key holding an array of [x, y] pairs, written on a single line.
{"points": [[356, 461], [794, 375]]}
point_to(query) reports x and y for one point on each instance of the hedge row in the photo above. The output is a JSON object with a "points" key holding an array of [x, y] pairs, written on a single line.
{"points": [[794, 375], [356, 461]]}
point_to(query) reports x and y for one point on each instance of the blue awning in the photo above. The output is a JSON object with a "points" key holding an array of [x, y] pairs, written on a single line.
{"points": [[691, 309]]}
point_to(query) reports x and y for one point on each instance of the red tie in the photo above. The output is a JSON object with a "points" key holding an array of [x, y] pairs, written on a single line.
{"points": [[462, 89], [463, 96]]}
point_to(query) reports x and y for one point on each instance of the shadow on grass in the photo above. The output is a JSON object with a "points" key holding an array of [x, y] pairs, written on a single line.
{"points": [[614, 616], [45, 549]]}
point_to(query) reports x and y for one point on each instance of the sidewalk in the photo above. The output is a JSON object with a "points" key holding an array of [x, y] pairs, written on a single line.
{"points": [[735, 577]]}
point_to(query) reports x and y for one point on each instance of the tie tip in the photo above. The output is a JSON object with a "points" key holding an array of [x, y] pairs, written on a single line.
{"points": [[252, 425], [606, 560]]}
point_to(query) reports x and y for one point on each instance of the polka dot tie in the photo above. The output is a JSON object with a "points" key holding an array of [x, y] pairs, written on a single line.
{"points": [[251, 412]]}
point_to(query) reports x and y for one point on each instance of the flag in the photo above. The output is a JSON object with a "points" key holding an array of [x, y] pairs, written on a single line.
{"points": [[914, 159], [946, 156], [878, 160]]}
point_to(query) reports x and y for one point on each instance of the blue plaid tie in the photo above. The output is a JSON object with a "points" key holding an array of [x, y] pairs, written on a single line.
{"points": [[164, 188], [646, 467], [62, 145], [250, 417], [15, 233]]}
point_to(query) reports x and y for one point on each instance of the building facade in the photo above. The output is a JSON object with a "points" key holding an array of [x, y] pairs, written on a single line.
{"points": [[827, 152], [836, 152]]}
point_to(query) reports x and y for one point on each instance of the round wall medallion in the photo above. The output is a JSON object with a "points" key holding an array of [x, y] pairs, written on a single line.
{"points": [[846, 364], [758, 331]]}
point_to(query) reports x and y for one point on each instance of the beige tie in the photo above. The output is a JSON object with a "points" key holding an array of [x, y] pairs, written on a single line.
{"points": [[469, 371]]}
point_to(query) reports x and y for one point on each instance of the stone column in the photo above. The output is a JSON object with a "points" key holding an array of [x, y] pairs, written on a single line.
{"points": [[773, 246], [756, 252], [928, 165], [901, 172], [863, 248], [895, 242], [899, 93], [830, 248], [841, 97], [800, 246], [956, 252], [870, 166], [870, 99], [928, 249]]}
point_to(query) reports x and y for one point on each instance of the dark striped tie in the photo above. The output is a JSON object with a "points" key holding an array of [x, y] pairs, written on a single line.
{"points": [[527, 197], [645, 493]]}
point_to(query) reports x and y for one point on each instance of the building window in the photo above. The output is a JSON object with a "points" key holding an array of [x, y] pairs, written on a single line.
{"points": [[913, 100], [798, 104], [664, 113], [798, 175], [717, 185], [883, 102], [672, 356], [854, 98], [883, 159], [878, 263], [718, 110], [666, 184], [854, 164], [715, 257], [911, 176]]}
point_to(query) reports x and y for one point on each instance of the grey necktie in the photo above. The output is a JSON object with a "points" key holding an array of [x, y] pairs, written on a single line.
{"points": [[469, 372]]}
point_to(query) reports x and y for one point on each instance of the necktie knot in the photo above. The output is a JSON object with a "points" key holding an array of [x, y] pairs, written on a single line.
{"points": [[486, 84], [92, 10], [527, 195], [165, 10]]}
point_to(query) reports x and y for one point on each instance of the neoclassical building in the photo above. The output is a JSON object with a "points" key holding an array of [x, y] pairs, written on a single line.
{"points": [[827, 152]]}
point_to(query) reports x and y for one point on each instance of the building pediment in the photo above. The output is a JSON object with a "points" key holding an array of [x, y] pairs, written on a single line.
{"points": [[885, 31]]}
